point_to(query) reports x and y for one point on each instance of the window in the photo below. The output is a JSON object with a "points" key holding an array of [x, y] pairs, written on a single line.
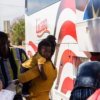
{"points": [[46, 3], [36, 5], [25, 3]]}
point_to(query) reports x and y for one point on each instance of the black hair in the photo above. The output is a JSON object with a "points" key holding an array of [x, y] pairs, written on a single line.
{"points": [[95, 53], [3, 36], [52, 39], [43, 43]]}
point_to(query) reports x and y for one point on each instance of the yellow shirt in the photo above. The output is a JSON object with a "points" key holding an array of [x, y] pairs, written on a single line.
{"points": [[34, 60], [40, 89]]}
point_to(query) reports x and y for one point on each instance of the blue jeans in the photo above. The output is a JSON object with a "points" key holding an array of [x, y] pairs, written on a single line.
{"points": [[81, 93]]}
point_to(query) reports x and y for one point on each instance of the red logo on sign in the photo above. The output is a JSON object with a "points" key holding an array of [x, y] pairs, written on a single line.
{"points": [[41, 26]]}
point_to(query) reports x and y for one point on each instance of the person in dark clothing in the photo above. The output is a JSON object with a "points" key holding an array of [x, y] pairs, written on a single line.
{"points": [[87, 80], [10, 63]]}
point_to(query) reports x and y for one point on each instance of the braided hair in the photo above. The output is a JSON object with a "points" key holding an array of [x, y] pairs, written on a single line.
{"points": [[52, 39]]}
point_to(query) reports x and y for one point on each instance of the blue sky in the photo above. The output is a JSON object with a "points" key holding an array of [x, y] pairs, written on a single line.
{"points": [[10, 12]]}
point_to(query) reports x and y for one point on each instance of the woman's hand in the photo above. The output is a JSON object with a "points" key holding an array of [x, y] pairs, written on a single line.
{"points": [[0, 85], [12, 86]]}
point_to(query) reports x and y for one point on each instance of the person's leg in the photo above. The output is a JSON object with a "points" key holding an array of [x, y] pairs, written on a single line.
{"points": [[81, 93], [18, 97], [27, 84], [25, 88]]}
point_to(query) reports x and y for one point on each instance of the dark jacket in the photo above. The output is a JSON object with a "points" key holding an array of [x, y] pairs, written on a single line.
{"points": [[88, 75]]}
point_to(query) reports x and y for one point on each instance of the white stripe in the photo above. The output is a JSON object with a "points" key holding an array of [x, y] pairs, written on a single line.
{"points": [[68, 39], [66, 72], [31, 49]]}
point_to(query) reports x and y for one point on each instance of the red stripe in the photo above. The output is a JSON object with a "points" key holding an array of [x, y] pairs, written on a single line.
{"points": [[67, 85], [30, 53], [70, 83], [67, 56], [33, 46], [65, 59], [68, 28]]}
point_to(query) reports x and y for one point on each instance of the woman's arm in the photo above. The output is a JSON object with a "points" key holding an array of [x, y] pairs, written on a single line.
{"points": [[29, 75]]}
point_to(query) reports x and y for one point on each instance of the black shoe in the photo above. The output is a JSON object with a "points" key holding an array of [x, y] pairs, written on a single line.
{"points": [[25, 94]]}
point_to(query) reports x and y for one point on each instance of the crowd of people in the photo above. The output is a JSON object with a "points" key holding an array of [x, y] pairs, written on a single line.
{"points": [[35, 72]]}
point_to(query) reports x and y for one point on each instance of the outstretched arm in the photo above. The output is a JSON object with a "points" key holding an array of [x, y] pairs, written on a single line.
{"points": [[29, 75]]}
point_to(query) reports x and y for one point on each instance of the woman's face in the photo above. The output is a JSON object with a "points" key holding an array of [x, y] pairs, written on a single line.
{"points": [[46, 51]]}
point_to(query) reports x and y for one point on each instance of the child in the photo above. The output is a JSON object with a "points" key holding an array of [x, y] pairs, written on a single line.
{"points": [[43, 54]]}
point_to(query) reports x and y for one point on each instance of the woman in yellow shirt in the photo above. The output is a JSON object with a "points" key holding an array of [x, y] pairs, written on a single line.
{"points": [[40, 89]]}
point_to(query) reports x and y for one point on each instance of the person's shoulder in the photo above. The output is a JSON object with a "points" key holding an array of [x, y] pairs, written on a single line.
{"points": [[49, 63], [20, 50], [39, 56], [15, 48]]}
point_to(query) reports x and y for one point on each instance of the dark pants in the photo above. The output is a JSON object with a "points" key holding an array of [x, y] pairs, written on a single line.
{"points": [[81, 93], [18, 97], [26, 87], [27, 84]]}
